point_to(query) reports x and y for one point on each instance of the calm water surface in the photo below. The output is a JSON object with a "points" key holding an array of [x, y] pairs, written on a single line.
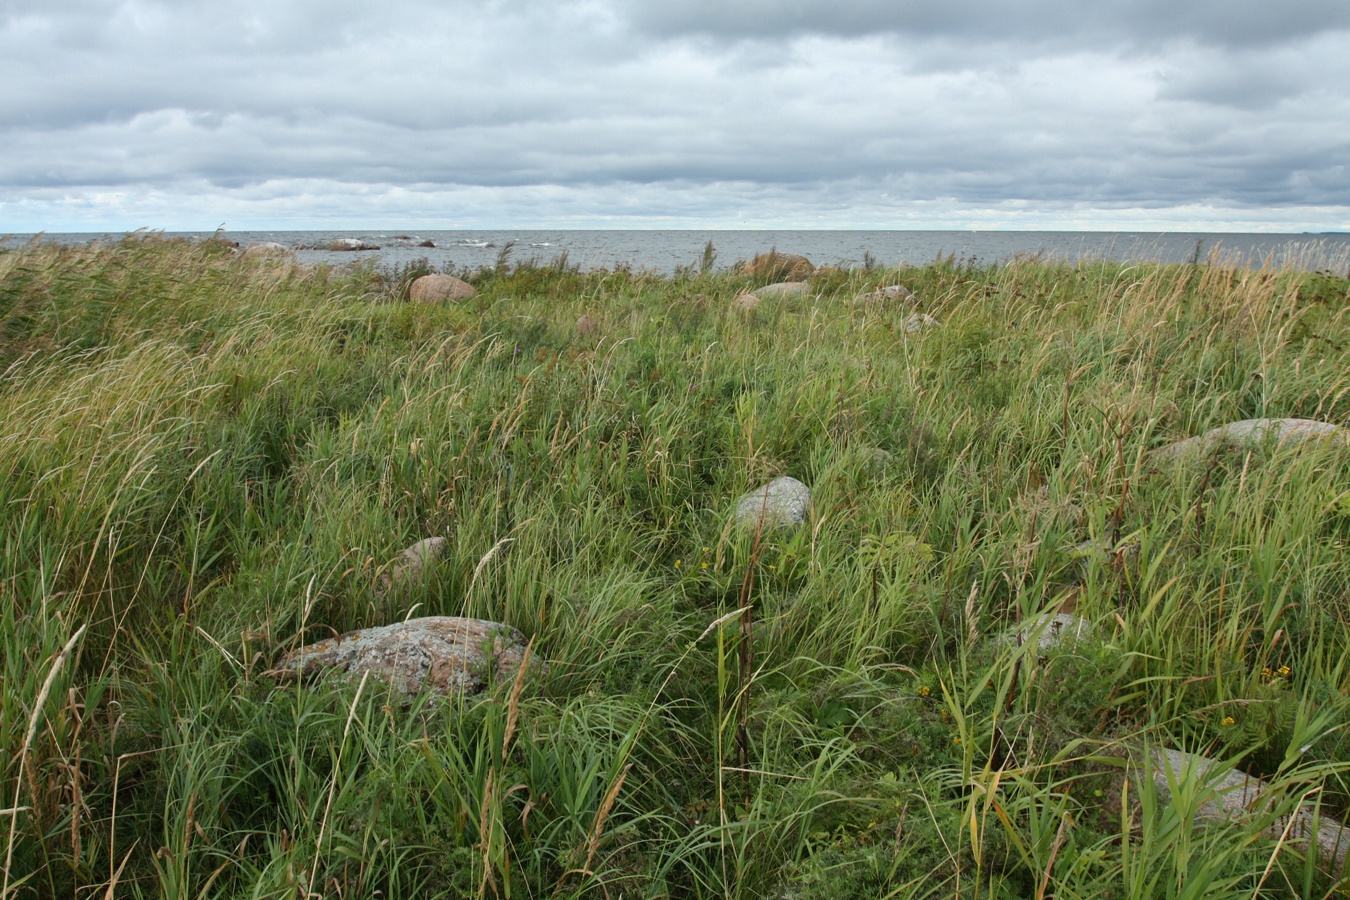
{"points": [[667, 251]]}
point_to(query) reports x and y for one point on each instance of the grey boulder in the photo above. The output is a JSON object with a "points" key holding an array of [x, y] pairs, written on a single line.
{"points": [[413, 564], [892, 293], [1250, 433], [1231, 794], [445, 654], [783, 290], [782, 503], [348, 244]]}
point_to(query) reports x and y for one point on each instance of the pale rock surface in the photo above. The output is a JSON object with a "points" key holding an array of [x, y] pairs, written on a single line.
{"points": [[781, 503], [745, 303], [413, 563], [918, 322], [346, 244], [1234, 794], [266, 250], [586, 325], [435, 288], [783, 289], [894, 293], [1052, 630], [1251, 433], [444, 654]]}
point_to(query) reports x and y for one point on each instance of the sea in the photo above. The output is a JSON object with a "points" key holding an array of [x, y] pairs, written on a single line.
{"points": [[671, 251]]}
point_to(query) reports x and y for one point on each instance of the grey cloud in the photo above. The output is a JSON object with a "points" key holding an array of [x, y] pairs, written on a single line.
{"points": [[1217, 22]]}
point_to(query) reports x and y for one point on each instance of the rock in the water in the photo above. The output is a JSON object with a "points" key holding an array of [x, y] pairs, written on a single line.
{"points": [[345, 244], [918, 322], [1250, 433], [783, 289], [1051, 630], [894, 293], [266, 250], [1234, 794], [784, 266], [426, 243], [434, 288], [781, 503], [445, 654], [413, 563]]}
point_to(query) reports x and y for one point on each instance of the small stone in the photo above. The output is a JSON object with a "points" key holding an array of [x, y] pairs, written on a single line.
{"points": [[586, 325], [781, 503], [435, 288], [445, 654]]}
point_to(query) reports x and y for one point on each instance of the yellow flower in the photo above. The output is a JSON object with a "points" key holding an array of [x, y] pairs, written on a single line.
{"points": [[677, 563], [1227, 720], [924, 691], [703, 565]]}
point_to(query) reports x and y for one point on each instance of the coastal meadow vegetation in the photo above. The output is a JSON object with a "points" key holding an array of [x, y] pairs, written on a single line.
{"points": [[207, 461]]}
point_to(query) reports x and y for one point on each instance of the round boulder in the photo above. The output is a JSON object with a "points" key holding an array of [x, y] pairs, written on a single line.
{"points": [[783, 266], [435, 288], [445, 654], [782, 503], [745, 303]]}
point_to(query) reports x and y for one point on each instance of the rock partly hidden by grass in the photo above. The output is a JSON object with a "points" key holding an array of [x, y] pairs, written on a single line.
{"points": [[1001, 651]]}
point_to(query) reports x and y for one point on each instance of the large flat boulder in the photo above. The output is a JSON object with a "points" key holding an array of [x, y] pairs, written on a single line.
{"points": [[1250, 433], [783, 289], [444, 654]]}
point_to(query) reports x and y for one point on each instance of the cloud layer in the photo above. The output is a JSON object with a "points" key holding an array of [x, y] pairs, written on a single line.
{"points": [[796, 113]]}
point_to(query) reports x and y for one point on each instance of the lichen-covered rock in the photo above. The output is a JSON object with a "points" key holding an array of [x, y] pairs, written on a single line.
{"points": [[434, 288], [1250, 433], [445, 654], [784, 266], [783, 289], [1233, 794], [266, 250], [781, 503], [893, 293], [412, 564]]}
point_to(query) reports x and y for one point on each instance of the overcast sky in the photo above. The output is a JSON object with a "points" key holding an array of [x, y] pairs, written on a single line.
{"points": [[1043, 114]]}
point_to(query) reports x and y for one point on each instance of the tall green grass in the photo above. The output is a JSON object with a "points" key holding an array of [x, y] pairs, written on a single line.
{"points": [[205, 462]]}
